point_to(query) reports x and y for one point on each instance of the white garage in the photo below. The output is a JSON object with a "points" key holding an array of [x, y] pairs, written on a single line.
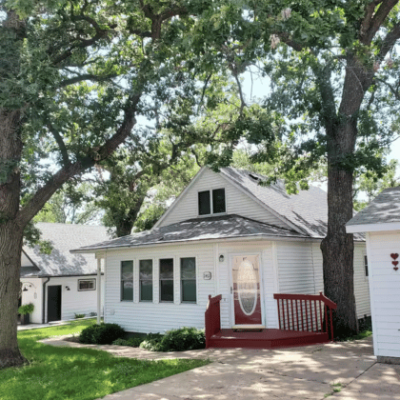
{"points": [[381, 223]]}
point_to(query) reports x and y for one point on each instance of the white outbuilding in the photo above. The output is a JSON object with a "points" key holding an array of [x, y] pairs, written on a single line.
{"points": [[381, 223]]}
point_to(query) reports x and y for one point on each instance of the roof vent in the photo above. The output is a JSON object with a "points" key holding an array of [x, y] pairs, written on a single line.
{"points": [[255, 177]]}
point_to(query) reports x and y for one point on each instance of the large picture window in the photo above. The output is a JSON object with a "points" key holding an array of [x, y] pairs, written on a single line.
{"points": [[204, 203], [219, 201], [167, 279], [127, 280], [188, 280], [146, 280]]}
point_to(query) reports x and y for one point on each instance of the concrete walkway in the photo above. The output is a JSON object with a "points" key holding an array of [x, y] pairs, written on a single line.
{"points": [[312, 372]]}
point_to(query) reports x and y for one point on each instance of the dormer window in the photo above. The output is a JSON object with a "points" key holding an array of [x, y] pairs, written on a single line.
{"points": [[218, 202]]}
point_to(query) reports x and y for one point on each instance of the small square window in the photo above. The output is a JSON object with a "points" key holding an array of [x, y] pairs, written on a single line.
{"points": [[219, 201], [204, 203], [86, 284]]}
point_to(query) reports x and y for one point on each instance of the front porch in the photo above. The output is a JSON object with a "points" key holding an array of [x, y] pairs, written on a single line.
{"points": [[303, 320]]}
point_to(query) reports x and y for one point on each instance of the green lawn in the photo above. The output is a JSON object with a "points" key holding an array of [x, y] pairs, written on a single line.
{"points": [[70, 373]]}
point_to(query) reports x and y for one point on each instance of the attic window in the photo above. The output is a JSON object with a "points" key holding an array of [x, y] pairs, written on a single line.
{"points": [[218, 202]]}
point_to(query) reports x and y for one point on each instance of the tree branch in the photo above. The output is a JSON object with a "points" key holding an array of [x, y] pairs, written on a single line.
{"points": [[85, 77], [44, 193], [60, 143]]}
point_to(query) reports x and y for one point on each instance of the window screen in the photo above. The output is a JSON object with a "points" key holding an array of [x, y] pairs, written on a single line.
{"points": [[146, 280], [219, 201], [86, 284], [188, 279], [127, 280], [167, 279], [204, 203]]}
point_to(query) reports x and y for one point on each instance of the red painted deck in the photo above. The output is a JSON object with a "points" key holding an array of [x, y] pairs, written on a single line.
{"points": [[266, 339]]}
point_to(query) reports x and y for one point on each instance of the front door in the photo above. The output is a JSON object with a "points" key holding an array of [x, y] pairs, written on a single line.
{"points": [[54, 303], [246, 290]]}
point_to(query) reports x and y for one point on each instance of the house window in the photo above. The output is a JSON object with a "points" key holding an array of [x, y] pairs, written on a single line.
{"points": [[204, 203], [127, 280], [188, 280], [146, 280], [167, 279], [219, 201], [366, 265], [86, 284]]}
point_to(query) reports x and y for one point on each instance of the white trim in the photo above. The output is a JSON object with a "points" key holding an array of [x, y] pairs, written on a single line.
{"points": [[174, 204], [261, 203], [390, 226]]}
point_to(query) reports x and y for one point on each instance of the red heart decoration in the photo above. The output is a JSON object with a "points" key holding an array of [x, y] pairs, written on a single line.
{"points": [[395, 263], [394, 256], [395, 268]]}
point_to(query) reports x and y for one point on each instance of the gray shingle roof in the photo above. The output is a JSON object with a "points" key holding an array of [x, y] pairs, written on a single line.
{"points": [[307, 210], [222, 227], [384, 209], [63, 238]]}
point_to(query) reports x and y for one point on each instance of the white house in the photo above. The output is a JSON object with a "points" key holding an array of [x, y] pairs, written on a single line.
{"points": [[225, 234], [381, 222], [61, 284]]}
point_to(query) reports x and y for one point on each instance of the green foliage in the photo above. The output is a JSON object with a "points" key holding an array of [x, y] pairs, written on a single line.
{"points": [[175, 340], [78, 316], [101, 334], [87, 374], [26, 309]]}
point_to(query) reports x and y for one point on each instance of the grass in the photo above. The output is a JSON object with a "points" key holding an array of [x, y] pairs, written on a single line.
{"points": [[78, 373], [362, 335]]}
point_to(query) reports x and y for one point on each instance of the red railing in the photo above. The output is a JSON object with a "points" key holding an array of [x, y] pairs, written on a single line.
{"points": [[305, 312], [212, 317]]}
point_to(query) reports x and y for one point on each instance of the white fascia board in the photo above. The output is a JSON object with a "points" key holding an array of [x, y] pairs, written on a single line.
{"points": [[177, 200], [391, 226]]}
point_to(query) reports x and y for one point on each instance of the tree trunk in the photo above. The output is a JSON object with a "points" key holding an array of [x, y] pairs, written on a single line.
{"points": [[10, 262], [338, 247]]}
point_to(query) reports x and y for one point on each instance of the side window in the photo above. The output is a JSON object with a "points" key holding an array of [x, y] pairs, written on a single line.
{"points": [[167, 279], [146, 280], [219, 201], [204, 203], [188, 280], [86, 284], [366, 265], [127, 280]]}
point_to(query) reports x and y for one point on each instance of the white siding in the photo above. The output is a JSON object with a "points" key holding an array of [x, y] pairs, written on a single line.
{"points": [[74, 301], [33, 295], [237, 202], [385, 292], [361, 283], [158, 317]]}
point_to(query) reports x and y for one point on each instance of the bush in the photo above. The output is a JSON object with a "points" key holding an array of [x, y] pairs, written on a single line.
{"points": [[176, 340], [101, 334], [26, 309], [132, 342], [77, 316]]}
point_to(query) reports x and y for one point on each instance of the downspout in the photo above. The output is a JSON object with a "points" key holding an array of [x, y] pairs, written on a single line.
{"points": [[44, 301]]}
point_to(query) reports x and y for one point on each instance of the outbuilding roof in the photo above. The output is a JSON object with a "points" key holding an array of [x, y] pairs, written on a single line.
{"points": [[60, 262], [197, 229], [383, 210]]}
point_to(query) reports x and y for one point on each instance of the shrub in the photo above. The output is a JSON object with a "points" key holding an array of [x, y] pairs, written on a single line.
{"points": [[101, 334], [26, 309], [132, 342], [184, 339], [77, 316], [176, 340]]}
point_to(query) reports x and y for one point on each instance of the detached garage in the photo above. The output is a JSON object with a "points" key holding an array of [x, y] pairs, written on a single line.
{"points": [[381, 223]]}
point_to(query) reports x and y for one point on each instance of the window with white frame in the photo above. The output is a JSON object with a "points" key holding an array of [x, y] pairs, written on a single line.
{"points": [[127, 280], [216, 206], [86, 284], [366, 265], [188, 280], [146, 280], [167, 279]]}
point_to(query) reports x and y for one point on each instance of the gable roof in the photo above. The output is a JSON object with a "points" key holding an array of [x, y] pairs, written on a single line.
{"points": [[60, 262], [197, 229], [383, 211]]}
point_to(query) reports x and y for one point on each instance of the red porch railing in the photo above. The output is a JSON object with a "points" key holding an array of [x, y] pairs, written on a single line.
{"points": [[212, 317], [305, 312]]}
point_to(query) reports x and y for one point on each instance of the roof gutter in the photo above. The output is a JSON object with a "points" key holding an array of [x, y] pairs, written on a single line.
{"points": [[44, 301]]}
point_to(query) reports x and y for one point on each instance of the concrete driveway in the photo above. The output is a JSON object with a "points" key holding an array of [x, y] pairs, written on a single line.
{"points": [[341, 370]]}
